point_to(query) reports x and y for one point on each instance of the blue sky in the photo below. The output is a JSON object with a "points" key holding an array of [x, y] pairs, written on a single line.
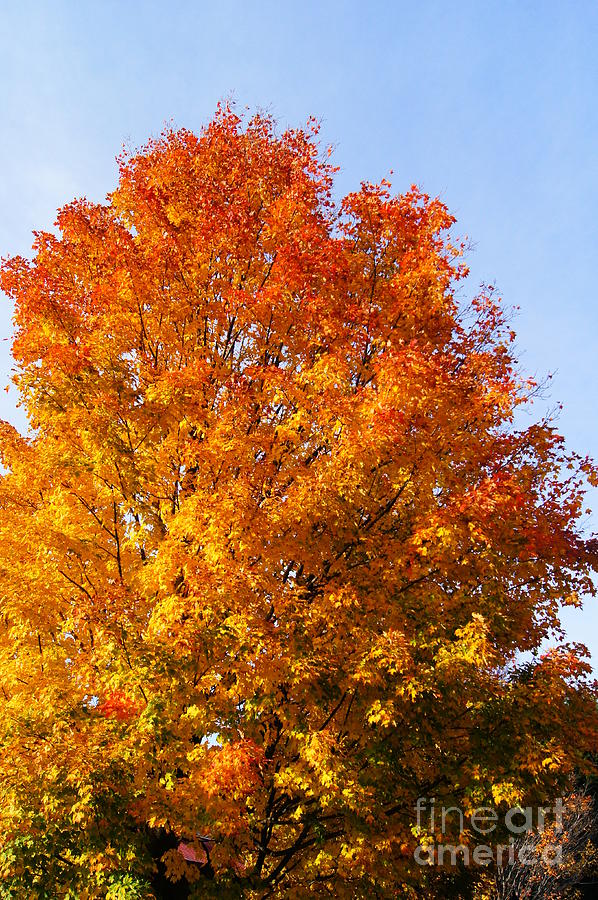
{"points": [[491, 105]]}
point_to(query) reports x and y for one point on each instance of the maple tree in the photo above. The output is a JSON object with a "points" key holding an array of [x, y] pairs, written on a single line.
{"points": [[273, 546], [575, 878]]}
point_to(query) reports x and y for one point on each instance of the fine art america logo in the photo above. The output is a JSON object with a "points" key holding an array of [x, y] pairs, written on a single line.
{"points": [[517, 821]]}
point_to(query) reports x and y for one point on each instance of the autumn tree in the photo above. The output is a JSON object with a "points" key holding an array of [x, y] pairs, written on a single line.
{"points": [[273, 545], [559, 862]]}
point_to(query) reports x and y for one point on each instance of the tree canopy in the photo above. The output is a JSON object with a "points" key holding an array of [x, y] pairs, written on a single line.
{"points": [[274, 544]]}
